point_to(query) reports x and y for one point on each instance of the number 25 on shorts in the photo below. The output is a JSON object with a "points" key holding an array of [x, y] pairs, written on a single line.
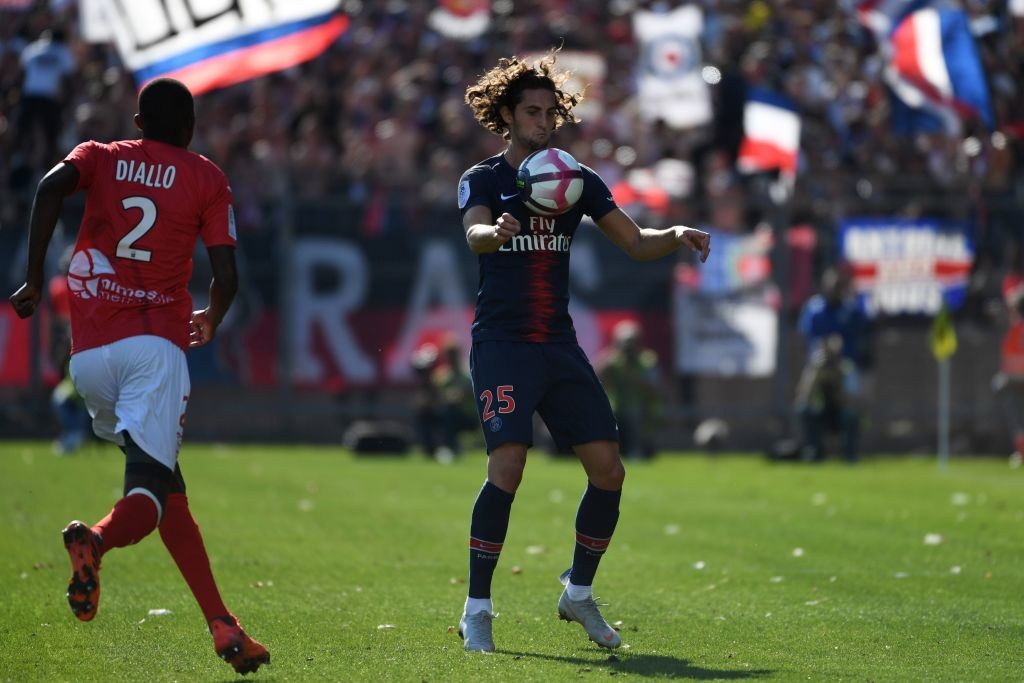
{"points": [[506, 404]]}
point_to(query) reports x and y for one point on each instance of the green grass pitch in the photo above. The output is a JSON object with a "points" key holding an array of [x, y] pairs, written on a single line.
{"points": [[353, 569]]}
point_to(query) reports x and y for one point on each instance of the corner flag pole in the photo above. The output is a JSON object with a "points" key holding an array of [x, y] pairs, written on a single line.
{"points": [[943, 342], [944, 408]]}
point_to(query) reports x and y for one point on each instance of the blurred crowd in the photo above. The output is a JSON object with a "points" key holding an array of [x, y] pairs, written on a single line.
{"points": [[378, 120], [377, 124]]}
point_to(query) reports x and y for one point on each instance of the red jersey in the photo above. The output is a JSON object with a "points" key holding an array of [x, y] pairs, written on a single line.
{"points": [[147, 204], [1012, 360]]}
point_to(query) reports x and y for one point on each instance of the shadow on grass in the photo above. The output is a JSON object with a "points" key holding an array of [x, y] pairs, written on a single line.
{"points": [[648, 665]]}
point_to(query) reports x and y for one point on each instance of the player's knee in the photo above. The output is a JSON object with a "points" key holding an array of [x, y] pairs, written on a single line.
{"points": [[506, 477], [609, 475], [616, 476], [146, 475], [149, 479], [505, 467]]}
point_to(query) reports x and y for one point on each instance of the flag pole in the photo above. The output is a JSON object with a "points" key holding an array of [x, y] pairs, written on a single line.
{"points": [[942, 336], [779, 192], [943, 417]]}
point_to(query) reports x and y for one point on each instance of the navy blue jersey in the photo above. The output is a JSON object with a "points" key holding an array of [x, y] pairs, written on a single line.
{"points": [[524, 286]]}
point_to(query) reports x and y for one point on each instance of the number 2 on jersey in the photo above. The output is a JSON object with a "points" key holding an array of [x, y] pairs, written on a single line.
{"points": [[145, 224], [506, 404]]}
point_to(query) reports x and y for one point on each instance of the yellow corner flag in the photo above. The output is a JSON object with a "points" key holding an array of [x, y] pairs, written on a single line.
{"points": [[942, 335]]}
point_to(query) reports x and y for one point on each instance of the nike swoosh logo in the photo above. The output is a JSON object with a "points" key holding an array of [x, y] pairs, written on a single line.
{"points": [[506, 197]]}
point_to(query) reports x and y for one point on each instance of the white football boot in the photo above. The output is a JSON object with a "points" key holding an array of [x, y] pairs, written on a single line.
{"points": [[586, 612], [475, 631]]}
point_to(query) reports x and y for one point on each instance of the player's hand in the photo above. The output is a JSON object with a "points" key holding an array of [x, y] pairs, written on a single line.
{"points": [[698, 241], [506, 227], [200, 328], [25, 300]]}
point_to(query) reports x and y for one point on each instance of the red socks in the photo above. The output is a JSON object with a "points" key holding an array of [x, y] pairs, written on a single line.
{"points": [[131, 520], [181, 536], [135, 516]]}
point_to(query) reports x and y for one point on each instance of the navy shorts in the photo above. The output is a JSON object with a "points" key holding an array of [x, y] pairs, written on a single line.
{"points": [[511, 380]]}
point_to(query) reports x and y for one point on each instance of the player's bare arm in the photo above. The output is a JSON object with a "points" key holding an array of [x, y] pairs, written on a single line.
{"points": [[55, 185], [646, 244], [484, 235], [204, 323]]}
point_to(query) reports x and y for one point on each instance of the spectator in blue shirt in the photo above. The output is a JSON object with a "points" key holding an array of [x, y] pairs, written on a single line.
{"points": [[836, 311], [831, 387]]}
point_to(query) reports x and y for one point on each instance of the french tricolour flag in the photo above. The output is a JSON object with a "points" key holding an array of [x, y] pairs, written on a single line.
{"points": [[771, 134], [882, 16], [213, 48], [934, 68]]}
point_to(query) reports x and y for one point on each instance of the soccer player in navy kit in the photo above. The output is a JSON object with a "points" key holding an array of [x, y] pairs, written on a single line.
{"points": [[525, 356]]}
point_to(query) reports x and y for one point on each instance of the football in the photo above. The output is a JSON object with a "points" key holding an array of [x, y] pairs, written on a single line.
{"points": [[550, 181]]}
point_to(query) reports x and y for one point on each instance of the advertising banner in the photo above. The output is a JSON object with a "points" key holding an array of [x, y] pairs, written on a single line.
{"points": [[725, 312], [907, 266]]}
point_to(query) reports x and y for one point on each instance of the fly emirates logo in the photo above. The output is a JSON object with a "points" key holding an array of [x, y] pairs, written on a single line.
{"points": [[541, 237]]}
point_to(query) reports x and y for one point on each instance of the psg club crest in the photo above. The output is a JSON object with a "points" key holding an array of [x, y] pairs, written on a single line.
{"points": [[495, 424]]}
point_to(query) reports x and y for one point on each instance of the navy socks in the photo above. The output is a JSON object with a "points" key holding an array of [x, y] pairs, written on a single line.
{"points": [[595, 524], [486, 536]]}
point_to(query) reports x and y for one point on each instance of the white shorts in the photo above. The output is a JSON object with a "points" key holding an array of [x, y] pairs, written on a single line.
{"points": [[139, 385]]}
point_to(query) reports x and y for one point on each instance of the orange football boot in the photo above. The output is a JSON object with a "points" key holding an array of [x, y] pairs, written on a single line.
{"points": [[83, 546], [235, 647]]}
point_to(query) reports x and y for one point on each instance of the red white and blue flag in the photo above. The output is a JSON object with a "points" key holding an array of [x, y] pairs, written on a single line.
{"points": [[882, 16], [932, 67], [213, 47], [771, 134]]}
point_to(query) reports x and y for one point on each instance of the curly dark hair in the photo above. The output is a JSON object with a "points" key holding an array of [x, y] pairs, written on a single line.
{"points": [[503, 86]]}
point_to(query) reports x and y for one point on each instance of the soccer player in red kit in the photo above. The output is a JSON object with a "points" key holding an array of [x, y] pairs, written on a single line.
{"points": [[148, 201]]}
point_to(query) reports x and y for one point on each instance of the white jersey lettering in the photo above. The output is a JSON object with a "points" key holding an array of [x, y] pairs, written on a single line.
{"points": [[537, 243], [149, 175]]}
